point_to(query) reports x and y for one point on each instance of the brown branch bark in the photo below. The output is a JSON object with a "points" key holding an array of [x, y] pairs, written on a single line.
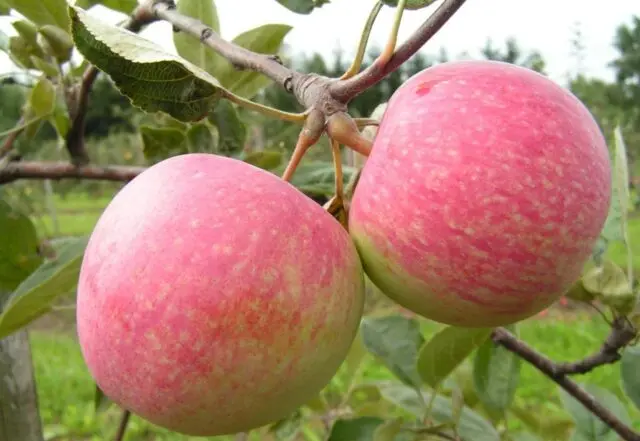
{"points": [[238, 56], [504, 338], [346, 90], [622, 334], [64, 170]]}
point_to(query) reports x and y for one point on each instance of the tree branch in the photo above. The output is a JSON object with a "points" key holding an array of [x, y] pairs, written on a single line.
{"points": [[80, 103], [504, 338], [346, 90], [622, 333], [64, 170], [238, 56]]}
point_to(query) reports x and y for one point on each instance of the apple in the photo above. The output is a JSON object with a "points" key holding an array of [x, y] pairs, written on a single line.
{"points": [[215, 298], [484, 194]]}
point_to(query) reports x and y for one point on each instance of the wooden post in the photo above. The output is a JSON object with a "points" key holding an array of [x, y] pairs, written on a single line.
{"points": [[19, 413]]}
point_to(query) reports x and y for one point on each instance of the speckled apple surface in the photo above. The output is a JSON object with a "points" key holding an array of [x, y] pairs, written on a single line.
{"points": [[483, 196], [215, 298]]}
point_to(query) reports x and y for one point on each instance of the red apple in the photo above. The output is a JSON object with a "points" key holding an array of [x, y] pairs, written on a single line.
{"points": [[215, 298], [486, 189]]}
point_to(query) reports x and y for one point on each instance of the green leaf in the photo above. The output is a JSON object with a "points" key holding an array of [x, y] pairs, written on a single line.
{"points": [[60, 119], [126, 6], [27, 30], [610, 284], [471, 426], [200, 139], [410, 4], [45, 67], [21, 52], [457, 405], [302, 6], [191, 48], [615, 228], [32, 123], [557, 426], [446, 350], [630, 373], [4, 8], [232, 132], [4, 42], [265, 159], [56, 42], [19, 253], [524, 436], [100, 401], [388, 431], [287, 428], [395, 340], [42, 12], [152, 78], [42, 99], [496, 374], [266, 39], [366, 428], [33, 297], [159, 143], [589, 426]]}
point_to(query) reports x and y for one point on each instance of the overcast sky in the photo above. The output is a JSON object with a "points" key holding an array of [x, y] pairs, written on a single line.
{"points": [[545, 25]]}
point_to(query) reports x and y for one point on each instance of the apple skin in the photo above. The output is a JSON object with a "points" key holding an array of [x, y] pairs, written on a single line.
{"points": [[215, 298], [485, 191]]}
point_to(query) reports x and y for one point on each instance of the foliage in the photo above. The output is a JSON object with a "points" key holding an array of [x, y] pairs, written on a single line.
{"points": [[450, 383]]}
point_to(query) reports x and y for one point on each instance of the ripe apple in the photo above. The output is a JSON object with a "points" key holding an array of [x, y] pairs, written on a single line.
{"points": [[215, 298], [486, 189]]}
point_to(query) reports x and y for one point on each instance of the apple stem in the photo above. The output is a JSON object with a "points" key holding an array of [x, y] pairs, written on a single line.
{"points": [[364, 39], [390, 48], [337, 165], [361, 123], [265, 110], [309, 135], [344, 130]]}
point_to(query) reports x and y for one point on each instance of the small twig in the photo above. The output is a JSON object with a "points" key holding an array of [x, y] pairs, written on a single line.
{"points": [[7, 145], [60, 170], [348, 89], [355, 66], [238, 56], [507, 340], [122, 427], [622, 333]]}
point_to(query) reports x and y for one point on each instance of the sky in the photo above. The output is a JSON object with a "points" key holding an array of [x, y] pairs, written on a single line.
{"points": [[543, 25]]}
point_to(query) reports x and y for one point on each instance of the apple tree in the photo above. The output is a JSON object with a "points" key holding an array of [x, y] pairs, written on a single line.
{"points": [[226, 292]]}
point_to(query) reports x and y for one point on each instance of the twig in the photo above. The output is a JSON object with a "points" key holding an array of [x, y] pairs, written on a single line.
{"points": [[504, 338], [79, 105], [122, 427], [348, 89], [238, 56], [7, 145], [60, 170], [622, 333]]}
